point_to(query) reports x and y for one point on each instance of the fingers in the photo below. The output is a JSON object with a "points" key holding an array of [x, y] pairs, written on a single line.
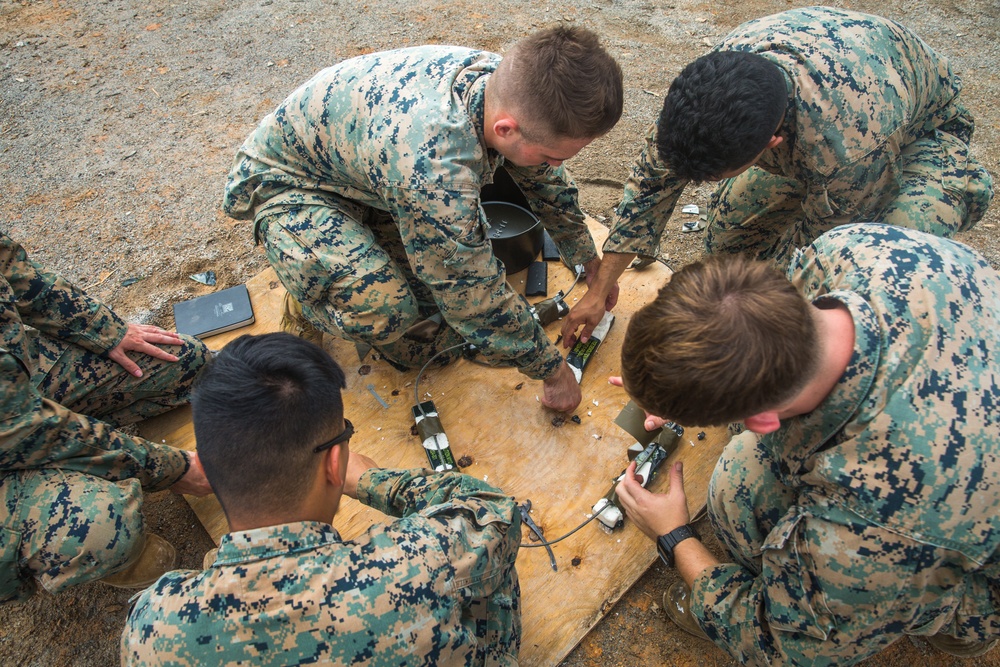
{"points": [[677, 476], [568, 331], [119, 357], [154, 351], [616, 380], [145, 338], [629, 485]]}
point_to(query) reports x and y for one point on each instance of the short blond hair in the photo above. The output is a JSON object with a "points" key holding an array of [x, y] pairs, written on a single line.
{"points": [[727, 338], [562, 84]]}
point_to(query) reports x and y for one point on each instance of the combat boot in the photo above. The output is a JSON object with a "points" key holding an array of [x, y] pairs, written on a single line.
{"points": [[641, 262], [295, 323], [963, 648], [156, 558], [209, 559], [677, 604]]}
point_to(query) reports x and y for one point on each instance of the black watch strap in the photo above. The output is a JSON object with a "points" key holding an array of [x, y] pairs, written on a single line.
{"points": [[665, 543]]}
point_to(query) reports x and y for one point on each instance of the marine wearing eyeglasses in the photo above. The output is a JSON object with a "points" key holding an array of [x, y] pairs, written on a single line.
{"points": [[436, 585]]}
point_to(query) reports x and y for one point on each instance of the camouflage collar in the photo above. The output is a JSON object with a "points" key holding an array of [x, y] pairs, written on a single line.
{"points": [[800, 438], [273, 541]]}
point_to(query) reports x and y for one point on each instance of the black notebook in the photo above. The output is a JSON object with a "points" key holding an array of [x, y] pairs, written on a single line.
{"points": [[214, 313]]}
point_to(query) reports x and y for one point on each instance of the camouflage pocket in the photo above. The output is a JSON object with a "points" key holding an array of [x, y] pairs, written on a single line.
{"points": [[795, 597], [10, 582]]}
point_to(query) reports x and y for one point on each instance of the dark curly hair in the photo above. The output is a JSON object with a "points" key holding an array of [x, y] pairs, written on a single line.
{"points": [[720, 113]]}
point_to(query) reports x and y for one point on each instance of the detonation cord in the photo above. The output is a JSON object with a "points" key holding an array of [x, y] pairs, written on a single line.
{"points": [[416, 398], [416, 382], [560, 539]]}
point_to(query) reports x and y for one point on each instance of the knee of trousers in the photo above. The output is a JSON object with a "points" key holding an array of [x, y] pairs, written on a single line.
{"points": [[377, 315], [80, 528], [979, 193]]}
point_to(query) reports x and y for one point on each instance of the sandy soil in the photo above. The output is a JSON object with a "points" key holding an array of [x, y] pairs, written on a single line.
{"points": [[119, 121]]}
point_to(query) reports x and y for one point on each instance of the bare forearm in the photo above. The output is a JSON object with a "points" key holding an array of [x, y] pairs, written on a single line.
{"points": [[691, 557], [613, 264]]}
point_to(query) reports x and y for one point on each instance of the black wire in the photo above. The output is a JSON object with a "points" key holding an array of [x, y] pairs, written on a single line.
{"points": [[543, 543], [416, 382], [416, 396], [575, 281]]}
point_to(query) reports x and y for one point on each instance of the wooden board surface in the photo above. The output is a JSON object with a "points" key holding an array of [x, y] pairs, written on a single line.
{"points": [[494, 417]]}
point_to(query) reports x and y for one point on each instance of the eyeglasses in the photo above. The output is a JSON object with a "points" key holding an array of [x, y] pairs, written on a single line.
{"points": [[343, 437]]}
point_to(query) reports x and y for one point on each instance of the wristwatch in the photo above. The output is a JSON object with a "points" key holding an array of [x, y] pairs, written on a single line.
{"points": [[665, 543]]}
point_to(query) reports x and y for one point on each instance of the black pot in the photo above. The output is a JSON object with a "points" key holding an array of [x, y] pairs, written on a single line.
{"points": [[515, 232]]}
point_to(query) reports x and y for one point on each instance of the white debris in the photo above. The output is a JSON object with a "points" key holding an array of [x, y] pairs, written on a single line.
{"points": [[690, 208]]}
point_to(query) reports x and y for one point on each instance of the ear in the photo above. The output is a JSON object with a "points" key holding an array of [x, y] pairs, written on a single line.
{"points": [[763, 423], [505, 127], [333, 465], [775, 140]]}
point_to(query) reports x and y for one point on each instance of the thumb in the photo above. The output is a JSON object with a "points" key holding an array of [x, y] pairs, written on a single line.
{"points": [[677, 476]]}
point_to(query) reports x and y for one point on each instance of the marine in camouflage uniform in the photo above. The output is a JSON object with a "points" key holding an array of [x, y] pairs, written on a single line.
{"points": [[70, 484], [874, 130], [364, 186], [875, 515], [435, 587]]}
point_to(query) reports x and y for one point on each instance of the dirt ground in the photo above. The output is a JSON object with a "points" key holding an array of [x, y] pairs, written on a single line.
{"points": [[119, 121]]}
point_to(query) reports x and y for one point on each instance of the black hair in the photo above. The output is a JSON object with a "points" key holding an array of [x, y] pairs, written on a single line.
{"points": [[720, 113], [259, 408]]}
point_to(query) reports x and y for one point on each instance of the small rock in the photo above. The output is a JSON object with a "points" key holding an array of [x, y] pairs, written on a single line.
{"points": [[205, 278], [576, 419], [465, 461], [364, 369]]}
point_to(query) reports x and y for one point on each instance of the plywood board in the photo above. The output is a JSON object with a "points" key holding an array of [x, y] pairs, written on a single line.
{"points": [[494, 417]]}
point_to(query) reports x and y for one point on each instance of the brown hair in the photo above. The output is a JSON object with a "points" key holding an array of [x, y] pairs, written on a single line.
{"points": [[725, 339], [562, 84]]}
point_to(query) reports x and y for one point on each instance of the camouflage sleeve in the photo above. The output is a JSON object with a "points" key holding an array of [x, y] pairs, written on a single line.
{"points": [[54, 306], [446, 241], [832, 590], [477, 526], [554, 198], [651, 193], [37, 433]]}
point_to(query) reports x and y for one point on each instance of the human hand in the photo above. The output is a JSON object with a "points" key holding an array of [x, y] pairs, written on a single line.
{"points": [[593, 268], [561, 391], [141, 338], [357, 464], [587, 313], [194, 482], [652, 422], [601, 296], [654, 513]]}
